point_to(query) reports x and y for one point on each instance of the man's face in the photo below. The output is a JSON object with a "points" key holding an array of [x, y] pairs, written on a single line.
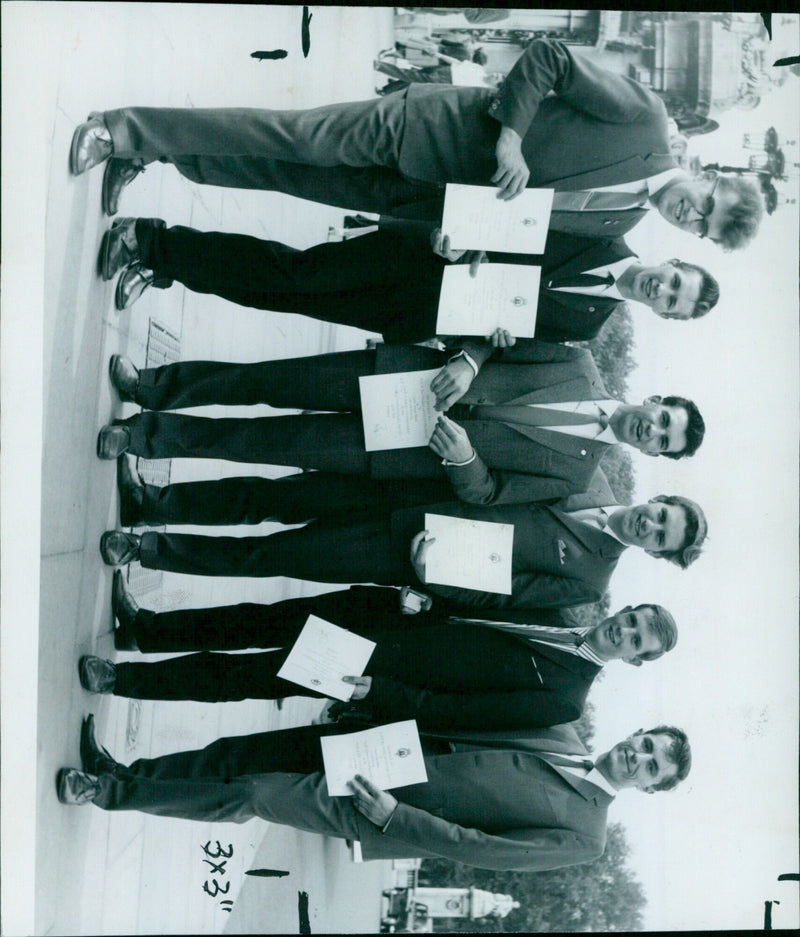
{"points": [[651, 428], [626, 635], [655, 527], [698, 206], [641, 761], [669, 291]]}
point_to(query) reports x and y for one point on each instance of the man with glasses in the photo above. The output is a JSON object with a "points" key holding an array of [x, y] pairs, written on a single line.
{"points": [[600, 140]]}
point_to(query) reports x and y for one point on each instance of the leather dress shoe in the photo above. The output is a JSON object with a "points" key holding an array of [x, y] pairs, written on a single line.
{"points": [[118, 548], [91, 144], [112, 441], [97, 675], [131, 284], [124, 608], [119, 247], [119, 172], [131, 491], [124, 376], [76, 787], [94, 758]]}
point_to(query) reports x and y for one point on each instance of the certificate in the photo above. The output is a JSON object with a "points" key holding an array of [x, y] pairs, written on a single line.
{"points": [[398, 409], [469, 554], [475, 219], [324, 653], [502, 296], [388, 756]]}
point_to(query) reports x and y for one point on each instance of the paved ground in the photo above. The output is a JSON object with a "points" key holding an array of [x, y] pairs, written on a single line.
{"points": [[126, 873]]}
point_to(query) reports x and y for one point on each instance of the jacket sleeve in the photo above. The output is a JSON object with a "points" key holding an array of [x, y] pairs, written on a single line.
{"points": [[532, 850], [391, 700], [528, 590], [548, 65], [476, 483]]}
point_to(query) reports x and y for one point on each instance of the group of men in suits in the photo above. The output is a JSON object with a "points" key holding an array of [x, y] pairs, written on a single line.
{"points": [[490, 678]]}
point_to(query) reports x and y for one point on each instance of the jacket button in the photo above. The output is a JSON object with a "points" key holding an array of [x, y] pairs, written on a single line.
{"points": [[583, 452], [591, 308]]}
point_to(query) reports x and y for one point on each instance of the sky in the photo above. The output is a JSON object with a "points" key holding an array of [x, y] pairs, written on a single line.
{"points": [[722, 839], [731, 682]]}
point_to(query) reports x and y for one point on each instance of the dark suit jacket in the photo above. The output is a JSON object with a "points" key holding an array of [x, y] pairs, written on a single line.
{"points": [[497, 805], [465, 677], [557, 562], [598, 129], [515, 463], [407, 310]]}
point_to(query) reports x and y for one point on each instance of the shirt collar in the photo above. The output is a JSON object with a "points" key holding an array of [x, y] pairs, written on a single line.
{"points": [[596, 777], [654, 183]]}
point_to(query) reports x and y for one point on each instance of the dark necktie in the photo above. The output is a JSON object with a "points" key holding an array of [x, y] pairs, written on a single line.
{"points": [[588, 200], [567, 761], [535, 415], [580, 280]]}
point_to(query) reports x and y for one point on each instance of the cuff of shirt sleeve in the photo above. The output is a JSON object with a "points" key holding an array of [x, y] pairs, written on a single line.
{"points": [[385, 826], [469, 461], [468, 358]]}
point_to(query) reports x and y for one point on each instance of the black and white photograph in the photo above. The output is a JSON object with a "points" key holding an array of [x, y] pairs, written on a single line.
{"points": [[336, 334]]}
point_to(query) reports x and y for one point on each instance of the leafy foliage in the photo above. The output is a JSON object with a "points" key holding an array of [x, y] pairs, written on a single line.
{"points": [[603, 895]]}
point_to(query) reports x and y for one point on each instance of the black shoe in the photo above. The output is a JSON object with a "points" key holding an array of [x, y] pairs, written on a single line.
{"points": [[91, 144], [118, 174], [76, 788], [119, 248], [131, 284], [131, 491], [94, 758], [124, 376], [113, 441], [97, 675], [118, 548], [124, 608]]}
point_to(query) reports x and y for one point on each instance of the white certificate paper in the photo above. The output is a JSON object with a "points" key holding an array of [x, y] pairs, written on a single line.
{"points": [[324, 653], [388, 756], [502, 296], [469, 554], [475, 219], [398, 409]]}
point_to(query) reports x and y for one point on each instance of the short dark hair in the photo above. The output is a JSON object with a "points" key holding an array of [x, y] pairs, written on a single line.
{"points": [[696, 531], [709, 288], [664, 626], [744, 215], [695, 426], [480, 56], [680, 754]]}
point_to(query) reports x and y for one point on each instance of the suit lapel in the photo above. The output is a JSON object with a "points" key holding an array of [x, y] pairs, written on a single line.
{"points": [[597, 255], [593, 539], [627, 170]]}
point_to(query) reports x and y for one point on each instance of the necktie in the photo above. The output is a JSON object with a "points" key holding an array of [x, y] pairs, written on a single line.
{"points": [[536, 415], [567, 761], [581, 280], [562, 637], [594, 517], [588, 200]]}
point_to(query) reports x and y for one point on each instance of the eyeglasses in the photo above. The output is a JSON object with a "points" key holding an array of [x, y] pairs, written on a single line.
{"points": [[707, 209]]}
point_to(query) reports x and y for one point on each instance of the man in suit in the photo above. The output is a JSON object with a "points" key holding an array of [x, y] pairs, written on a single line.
{"points": [[533, 421], [601, 141], [460, 674], [531, 804], [388, 283], [561, 557]]}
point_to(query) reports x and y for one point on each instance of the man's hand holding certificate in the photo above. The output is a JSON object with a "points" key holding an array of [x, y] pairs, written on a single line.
{"points": [[390, 756], [323, 655]]}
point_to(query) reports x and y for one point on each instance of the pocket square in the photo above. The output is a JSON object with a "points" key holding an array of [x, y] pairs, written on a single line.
{"points": [[562, 549]]}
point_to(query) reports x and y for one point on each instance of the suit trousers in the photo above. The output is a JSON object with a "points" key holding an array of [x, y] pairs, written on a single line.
{"points": [[341, 154], [451, 658], [292, 499], [235, 627], [379, 282], [318, 552], [329, 441]]}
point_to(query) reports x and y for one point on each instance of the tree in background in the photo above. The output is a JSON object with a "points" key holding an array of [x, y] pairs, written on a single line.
{"points": [[603, 895]]}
